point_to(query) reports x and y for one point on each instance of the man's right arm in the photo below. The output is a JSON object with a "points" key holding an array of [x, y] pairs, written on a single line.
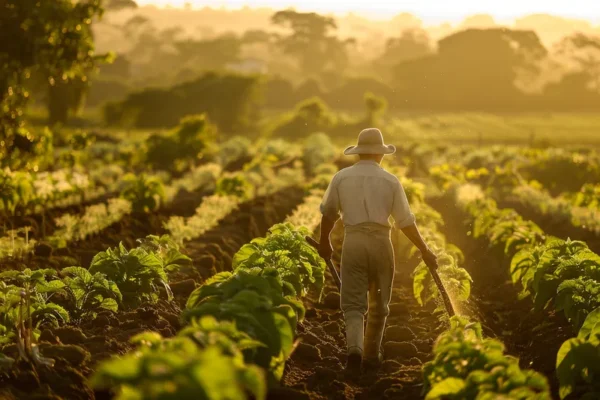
{"points": [[330, 208]]}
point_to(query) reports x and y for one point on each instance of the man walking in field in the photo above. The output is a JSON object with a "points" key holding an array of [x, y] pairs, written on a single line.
{"points": [[365, 196]]}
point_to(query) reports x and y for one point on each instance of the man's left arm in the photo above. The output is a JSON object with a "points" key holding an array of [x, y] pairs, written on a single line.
{"points": [[405, 221]]}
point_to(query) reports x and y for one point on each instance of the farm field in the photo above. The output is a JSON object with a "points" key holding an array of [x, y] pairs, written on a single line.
{"points": [[162, 174], [115, 268], [539, 129]]}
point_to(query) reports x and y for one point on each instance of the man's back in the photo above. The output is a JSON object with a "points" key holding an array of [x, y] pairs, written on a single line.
{"points": [[366, 193]]}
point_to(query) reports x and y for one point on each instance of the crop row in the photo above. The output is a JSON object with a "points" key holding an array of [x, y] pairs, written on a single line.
{"points": [[558, 169], [147, 193], [129, 274], [119, 278], [564, 274], [466, 365], [138, 194], [239, 326], [580, 208]]}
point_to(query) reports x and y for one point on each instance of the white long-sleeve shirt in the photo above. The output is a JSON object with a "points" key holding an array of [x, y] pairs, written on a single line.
{"points": [[365, 192]]}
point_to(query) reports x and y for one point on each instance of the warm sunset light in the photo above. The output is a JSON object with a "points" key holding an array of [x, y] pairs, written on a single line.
{"points": [[299, 199], [433, 10]]}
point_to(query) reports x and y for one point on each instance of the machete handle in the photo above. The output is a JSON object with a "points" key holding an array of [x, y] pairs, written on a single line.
{"points": [[442, 290]]}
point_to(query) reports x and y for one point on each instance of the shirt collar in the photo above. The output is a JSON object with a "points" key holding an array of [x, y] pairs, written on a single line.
{"points": [[368, 162]]}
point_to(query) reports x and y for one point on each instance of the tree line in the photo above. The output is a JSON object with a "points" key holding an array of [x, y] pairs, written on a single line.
{"points": [[51, 59], [494, 69]]}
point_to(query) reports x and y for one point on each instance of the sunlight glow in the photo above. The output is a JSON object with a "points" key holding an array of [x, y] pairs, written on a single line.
{"points": [[432, 10]]}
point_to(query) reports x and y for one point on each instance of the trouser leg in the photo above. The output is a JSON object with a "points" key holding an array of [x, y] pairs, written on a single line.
{"points": [[381, 277], [355, 281]]}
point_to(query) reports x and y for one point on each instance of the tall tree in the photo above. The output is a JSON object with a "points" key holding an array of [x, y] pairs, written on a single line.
{"points": [[474, 68], [410, 45], [53, 37], [312, 41], [116, 5], [581, 53], [209, 54]]}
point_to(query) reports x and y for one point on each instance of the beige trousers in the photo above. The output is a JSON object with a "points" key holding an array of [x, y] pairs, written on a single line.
{"points": [[367, 274]]}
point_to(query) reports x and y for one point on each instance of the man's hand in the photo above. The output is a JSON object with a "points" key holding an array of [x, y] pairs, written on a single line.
{"points": [[325, 250], [429, 258]]}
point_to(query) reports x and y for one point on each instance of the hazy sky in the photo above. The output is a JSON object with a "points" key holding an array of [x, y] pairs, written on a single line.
{"points": [[428, 10]]}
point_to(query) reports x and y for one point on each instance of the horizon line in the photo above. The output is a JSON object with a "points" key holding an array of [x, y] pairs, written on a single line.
{"points": [[379, 16]]}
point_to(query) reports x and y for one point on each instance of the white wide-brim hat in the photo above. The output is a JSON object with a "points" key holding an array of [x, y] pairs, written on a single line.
{"points": [[370, 141]]}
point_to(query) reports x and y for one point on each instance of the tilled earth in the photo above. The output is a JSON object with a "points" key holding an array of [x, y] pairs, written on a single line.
{"points": [[78, 347], [316, 368]]}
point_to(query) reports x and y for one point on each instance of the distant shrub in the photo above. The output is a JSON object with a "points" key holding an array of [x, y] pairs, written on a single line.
{"points": [[234, 185], [318, 149], [319, 182], [311, 115], [191, 137], [234, 149], [229, 100], [326, 169], [145, 193]]}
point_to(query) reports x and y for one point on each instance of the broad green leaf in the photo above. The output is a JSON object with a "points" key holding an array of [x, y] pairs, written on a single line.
{"points": [[591, 321], [109, 304], [447, 387]]}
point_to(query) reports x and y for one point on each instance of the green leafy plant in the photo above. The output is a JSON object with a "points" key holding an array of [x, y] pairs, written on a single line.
{"points": [[448, 175], [568, 267], [257, 305], [515, 235], [37, 291], [578, 297], [178, 368], [319, 182], [185, 145], [285, 248], [457, 281], [578, 361], [167, 250], [233, 150], [235, 185], [468, 366], [207, 331], [89, 293], [145, 193], [207, 215], [138, 273], [415, 191], [588, 196], [503, 227], [24, 308], [318, 149]]}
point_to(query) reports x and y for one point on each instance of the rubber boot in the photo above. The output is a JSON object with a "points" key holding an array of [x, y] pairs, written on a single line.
{"points": [[373, 353], [354, 339]]}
